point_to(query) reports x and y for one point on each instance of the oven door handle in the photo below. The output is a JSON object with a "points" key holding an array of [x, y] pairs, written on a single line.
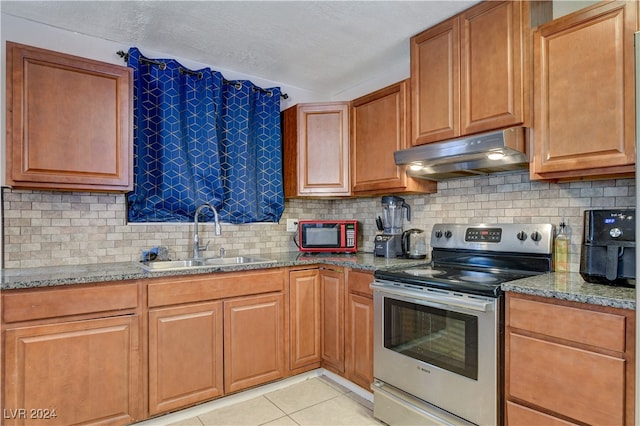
{"points": [[435, 299]]}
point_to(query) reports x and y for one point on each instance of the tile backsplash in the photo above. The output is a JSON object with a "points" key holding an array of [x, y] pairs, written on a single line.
{"points": [[61, 228]]}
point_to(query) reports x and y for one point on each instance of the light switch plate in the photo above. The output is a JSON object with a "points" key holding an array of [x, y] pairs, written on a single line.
{"points": [[292, 225]]}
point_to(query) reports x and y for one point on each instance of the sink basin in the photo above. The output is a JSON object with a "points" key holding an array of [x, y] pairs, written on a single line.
{"points": [[174, 265], [244, 260]]}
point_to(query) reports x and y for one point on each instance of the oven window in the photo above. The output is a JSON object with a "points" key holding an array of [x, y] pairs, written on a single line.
{"points": [[439, 337]]}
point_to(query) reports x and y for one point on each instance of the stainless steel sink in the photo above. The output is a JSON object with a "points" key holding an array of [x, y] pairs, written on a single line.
{"points": [[174, 265]]}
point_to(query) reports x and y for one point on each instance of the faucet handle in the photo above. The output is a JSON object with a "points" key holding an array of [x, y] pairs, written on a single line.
{"points": [[205, 247]]}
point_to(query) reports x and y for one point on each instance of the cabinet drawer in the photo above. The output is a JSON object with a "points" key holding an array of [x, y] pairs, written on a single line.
{"points": [[553, 376], [359, 282], [517, 415], [196, 288], [599, 329], [44, 303]]}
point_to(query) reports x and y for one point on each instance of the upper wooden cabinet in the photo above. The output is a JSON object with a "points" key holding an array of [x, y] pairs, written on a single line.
{"points": [[380, 126], [316, 150], [471, 73], [585, 94], [69, 122]]}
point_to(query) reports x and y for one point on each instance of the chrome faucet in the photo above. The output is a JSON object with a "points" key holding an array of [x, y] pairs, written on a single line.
{"points": [[197, 249]]}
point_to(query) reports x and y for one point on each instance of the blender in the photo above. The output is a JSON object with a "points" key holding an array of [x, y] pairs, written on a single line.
{"points": [[389, 243]]}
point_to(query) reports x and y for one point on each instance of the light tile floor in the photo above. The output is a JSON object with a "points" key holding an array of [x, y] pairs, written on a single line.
{"points": [[316, 400]]}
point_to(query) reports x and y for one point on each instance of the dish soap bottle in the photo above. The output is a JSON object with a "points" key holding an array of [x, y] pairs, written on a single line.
{"points": [[561, 249]]}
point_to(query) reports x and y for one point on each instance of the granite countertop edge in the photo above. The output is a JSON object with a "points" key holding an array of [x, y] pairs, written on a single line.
{"points": [[560, 285]]}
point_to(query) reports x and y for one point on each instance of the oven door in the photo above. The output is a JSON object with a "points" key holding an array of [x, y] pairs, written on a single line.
{"points": [[439, 346]]}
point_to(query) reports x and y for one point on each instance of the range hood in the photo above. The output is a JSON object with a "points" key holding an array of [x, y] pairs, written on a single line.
{"points": [[482, 154]]}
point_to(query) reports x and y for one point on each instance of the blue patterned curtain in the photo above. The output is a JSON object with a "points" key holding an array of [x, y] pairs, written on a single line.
{"points": [[201, 139]]}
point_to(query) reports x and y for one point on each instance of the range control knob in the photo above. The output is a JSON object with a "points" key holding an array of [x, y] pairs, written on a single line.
{"points": [[615, 232], [536, 236], [438, 233], [448, 234], [522, 235]]}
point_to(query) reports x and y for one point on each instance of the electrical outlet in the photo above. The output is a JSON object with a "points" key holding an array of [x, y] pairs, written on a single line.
{"points": [[292, 225]]}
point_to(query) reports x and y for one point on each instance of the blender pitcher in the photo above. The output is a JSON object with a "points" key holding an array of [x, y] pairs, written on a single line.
{"points": [[393, 214]]}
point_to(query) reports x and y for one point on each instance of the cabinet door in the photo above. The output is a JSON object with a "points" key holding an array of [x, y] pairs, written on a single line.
{"points": [[435, 83], [333, 294], [359, 340], [359, 328], [584, 100], [316, 150], [69, 122], [87, 371], [304, 308], [253, 341], [491, 72], [379, 127], [185, 355]]}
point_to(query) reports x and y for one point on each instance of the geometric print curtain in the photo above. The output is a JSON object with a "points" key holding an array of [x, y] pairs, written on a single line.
{"points": [[199, 138]]}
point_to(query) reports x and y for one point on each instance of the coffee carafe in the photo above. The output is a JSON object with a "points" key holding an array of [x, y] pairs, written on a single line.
{"points": [[414, 244], [389, 243]]}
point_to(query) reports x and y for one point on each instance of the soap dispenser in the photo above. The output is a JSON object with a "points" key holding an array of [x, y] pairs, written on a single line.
{"points": [[561, 249]]}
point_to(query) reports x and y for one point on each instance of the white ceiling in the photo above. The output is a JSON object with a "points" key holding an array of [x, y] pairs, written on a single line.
{"points": [[320, 46]]}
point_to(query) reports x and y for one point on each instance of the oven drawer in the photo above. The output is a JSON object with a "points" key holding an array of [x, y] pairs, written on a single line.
{"points": [[395, 407], [600, 329]]}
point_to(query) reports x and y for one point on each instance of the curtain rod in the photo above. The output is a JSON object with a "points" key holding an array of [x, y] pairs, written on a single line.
{"points": [[125, 56]]}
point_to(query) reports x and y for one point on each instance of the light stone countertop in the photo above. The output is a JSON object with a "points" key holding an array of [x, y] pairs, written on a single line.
{"points": [[559, 285], [25, 278], [570, 286]]}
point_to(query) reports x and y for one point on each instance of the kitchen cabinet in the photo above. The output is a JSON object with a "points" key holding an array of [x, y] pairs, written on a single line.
{"points": [[316, 150], [69, 122], [380, 126], [551, 346], [253, 341], [185, 355], [72, 356], [471, 73], [359, 329], [332, 330], [305, 319], [214, 334], [584, 94]]}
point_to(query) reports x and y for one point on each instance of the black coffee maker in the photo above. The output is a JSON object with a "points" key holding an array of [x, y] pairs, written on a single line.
{"points": [[608, 254]]}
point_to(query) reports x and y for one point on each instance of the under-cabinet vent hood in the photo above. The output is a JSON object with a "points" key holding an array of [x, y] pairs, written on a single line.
{"points": [[482, 154]]}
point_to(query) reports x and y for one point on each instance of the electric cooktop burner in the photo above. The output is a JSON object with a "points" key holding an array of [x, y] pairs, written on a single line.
{"points": [[424, 272]]}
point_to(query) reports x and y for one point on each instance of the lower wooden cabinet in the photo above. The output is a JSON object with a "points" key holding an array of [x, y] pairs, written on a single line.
{"points": [[253, 341], [72, 355], [568, 363], [332, 329], [214, 334], [359, 329], [305, 319], [185, 355], [78, 372]]}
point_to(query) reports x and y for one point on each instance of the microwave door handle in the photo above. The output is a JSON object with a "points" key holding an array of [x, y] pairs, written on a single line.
{"points": [[436, 299]]}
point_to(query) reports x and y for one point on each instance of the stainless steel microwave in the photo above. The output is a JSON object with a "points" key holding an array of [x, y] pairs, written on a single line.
{"points": [[337, 236]]}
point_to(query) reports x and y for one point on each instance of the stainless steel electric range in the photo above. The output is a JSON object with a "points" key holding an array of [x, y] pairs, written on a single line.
{"points": [[439, 327]]}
